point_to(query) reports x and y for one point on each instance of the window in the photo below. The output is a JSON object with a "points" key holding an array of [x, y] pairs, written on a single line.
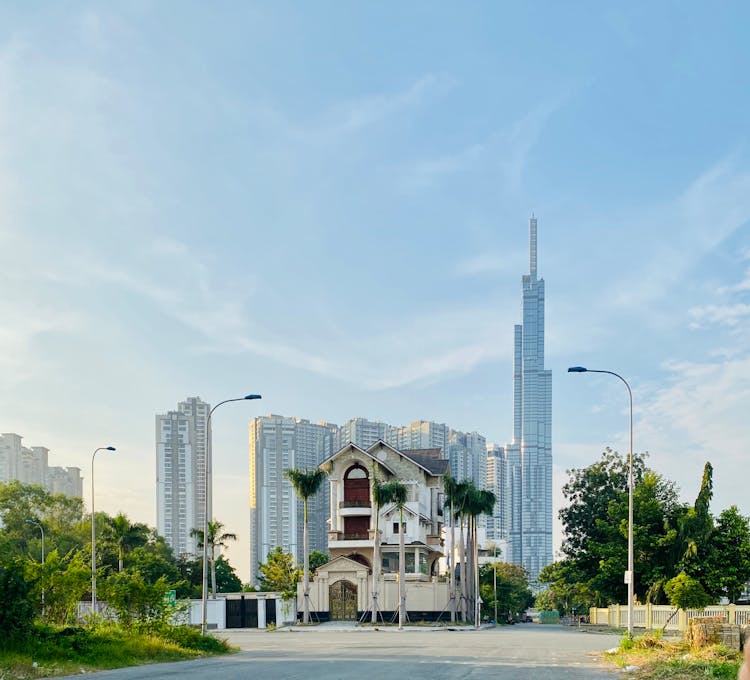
{"points": [[395, 527]]}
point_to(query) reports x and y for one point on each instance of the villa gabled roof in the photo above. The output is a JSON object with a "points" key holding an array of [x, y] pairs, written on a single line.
{"points": [[353, 447], [428, 459]]}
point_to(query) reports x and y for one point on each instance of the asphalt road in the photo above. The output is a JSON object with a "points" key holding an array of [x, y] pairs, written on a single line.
{"points": [[522, 652]]}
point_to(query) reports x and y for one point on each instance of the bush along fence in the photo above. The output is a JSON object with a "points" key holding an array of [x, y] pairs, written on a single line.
{"points": [[654, 617]]}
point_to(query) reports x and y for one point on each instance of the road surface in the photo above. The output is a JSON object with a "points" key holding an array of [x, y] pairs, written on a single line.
{"points": [[522, 652]]}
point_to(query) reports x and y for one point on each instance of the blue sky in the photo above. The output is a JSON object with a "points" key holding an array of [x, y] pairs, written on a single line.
{"points": [[328, 203]]}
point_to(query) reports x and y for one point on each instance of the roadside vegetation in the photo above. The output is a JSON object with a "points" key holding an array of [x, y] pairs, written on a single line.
{"points": [[650, 657], [45, 571], [45, 651], [684, 554]]}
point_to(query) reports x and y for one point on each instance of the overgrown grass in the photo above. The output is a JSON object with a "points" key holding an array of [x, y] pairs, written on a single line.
{"points": [[655, 658], [48, 651]]}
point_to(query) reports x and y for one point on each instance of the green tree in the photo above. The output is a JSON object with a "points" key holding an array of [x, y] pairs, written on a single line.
{"points": [[227, 580], [686, 592], [318, 559], [450, 487], [480, 502], [379, 494], [16, 608], [136, 600], [217, 538], [395, 492], [279, 574], [512, 595], [66, 579], [125, 536], [306, 483], [564, 592], [728, 566]]}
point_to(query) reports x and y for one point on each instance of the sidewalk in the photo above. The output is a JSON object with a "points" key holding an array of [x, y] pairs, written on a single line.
{"points": [[387, 628]]}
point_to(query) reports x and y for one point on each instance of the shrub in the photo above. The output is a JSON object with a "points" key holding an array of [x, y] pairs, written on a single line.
{"points": [[16, 609]]}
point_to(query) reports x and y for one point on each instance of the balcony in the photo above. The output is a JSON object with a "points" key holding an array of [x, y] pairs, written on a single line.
{"points": [[354, 504]]}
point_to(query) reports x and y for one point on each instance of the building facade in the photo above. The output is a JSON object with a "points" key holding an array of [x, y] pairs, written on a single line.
{"points": [[342, 589], [182, 438], [528, 484], [278, 444], [30, 465]]}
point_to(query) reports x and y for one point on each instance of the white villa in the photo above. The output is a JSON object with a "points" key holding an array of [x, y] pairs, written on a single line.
{"points": [[342, 589]]}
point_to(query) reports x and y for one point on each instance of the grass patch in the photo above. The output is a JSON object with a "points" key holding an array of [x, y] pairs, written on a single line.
{"points": [[654, 658], [49, 651]]}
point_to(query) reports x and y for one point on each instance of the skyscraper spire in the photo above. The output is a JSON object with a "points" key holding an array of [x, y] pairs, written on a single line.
{"points": [[532, 246]]}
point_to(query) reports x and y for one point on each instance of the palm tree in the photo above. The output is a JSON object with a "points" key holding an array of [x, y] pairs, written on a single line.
{"points": [[395, 492], [450, 487], [216, 538], [379, 499], [462, 494], [479, 502], [126, 536], [306, 484]]}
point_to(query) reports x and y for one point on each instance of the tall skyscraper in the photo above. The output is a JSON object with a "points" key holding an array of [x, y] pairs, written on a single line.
{"points": [[181, 439], [529, 455], [278, 444]]}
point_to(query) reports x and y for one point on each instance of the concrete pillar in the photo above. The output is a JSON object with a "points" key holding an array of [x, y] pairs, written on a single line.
{"points": [[334, 505], [261, 610], [649, 616]]}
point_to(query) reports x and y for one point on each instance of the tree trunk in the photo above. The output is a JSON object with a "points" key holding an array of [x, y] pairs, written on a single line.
{"points": [[306, 574], [462, 572], [475, 555], [375, 565], [213, 571], [453, 567], [401, 573]]}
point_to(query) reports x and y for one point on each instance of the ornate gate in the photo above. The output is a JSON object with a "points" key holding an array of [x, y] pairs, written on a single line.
{"points": [[342, 598]]}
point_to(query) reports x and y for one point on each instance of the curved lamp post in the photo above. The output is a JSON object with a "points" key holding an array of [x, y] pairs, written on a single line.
{"points": [[41, 528], [629, 576], [207, 482], [93, 529]]}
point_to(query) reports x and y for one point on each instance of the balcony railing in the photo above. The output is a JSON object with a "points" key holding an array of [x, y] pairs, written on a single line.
{"points": [[357, 536], [354, 504]]}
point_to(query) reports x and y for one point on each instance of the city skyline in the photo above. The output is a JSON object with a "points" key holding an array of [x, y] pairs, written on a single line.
{"points": [[261, 199]]}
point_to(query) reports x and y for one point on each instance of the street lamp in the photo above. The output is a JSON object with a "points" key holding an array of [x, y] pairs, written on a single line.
{"points": [[41, 528], [93, 529], [207, 482], [629, 573]]}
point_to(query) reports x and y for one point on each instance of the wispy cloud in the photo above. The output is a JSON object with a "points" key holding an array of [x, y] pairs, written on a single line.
{"points": [[699, 415], [485, 263], [727, 315], [505, 152]]}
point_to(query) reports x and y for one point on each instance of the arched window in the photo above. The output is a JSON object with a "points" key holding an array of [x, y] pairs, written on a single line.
{"points": [[356, 484]]}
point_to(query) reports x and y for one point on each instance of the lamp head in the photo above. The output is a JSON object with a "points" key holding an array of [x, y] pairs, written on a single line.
{"points": [[577, 369], [110, 448], [30, 521], [252, 396]]}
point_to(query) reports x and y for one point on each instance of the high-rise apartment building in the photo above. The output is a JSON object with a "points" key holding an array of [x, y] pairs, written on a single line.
{"points": [[30, 465], [362, 432], [278, 444], [182, 438], [528, 485], [468, 457], [421, 434]]}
